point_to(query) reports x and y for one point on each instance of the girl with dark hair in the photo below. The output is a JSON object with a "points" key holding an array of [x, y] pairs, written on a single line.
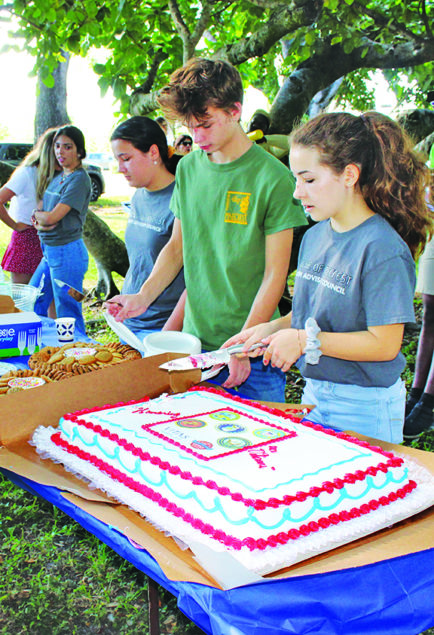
{"points": [[359, 177], [140, 147], [25, 187], [60, 223]]}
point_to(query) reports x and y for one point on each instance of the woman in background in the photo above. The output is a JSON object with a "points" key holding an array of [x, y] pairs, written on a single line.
{"points": [[140, 147], [24, 189], [183, 144], [60, 225]]}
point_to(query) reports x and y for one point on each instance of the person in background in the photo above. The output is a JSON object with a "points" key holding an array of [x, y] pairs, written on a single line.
{"points": [[233, 228], [140, 148], [60, 223], [420, 403], [24, 189], [183, 144], [360, 179]]}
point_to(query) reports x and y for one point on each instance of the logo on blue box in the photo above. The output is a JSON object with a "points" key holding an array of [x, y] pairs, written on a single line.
{"points": [[20, 334]]}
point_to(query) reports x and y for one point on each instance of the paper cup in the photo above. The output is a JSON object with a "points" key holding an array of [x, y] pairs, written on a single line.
{"points": [[65, 329]]}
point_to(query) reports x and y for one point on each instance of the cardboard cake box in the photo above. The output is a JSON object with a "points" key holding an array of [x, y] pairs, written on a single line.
{"points": [[21, 413]]}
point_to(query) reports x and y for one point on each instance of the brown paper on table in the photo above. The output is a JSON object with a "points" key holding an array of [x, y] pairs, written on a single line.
{"points": [[21, 413], [7, 305]]}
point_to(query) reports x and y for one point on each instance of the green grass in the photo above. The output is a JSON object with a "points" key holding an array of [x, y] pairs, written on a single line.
{"points": [[59, 579]]}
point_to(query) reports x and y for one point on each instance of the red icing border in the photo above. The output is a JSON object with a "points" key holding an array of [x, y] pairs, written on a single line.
{"points": [[258, 406], [230, 541], [327, 486]]}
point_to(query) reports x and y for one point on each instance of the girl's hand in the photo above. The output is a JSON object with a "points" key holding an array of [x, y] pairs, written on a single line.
{"points": [[239, 370], [39, 221], [43, 228], [251, 336], [125, 306], [22, 227], [284, 348]]}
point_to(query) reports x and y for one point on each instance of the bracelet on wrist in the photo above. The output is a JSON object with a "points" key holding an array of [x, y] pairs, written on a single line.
{"points": [[312, 350]]}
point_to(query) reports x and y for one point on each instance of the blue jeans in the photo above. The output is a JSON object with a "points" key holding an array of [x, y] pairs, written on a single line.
{"points": [[264, 383], [373, 411], [67, 263]]}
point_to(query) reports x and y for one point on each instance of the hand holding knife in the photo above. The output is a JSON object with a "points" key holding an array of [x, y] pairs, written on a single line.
{"points": [[211, 358]]}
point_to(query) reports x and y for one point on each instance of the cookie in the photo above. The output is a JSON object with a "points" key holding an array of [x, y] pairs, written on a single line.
{"points": [[86, 359], [104, 356], [59, 361], [5, 389]]}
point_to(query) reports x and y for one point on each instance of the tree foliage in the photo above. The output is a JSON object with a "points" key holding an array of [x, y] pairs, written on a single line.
{"points": [[290, 50]]}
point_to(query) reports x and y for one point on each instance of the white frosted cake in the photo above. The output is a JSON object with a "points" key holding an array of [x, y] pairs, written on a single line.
{"points": [[209, 468]]}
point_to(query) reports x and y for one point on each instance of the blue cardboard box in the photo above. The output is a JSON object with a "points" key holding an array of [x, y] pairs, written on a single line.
{"points": [[20, 334]]}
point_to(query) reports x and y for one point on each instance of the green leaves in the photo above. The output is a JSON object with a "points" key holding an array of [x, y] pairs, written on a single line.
{"points": [[146, 42]]}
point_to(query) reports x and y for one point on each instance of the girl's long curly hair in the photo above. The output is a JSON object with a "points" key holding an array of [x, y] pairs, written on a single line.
{"points": [[392, 178]]}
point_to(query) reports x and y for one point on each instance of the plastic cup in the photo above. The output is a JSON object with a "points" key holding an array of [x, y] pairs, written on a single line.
{"points": [[65, 328]]}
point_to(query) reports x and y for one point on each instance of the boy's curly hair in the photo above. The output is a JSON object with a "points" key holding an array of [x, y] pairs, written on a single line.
{"points": [[199, 84]]}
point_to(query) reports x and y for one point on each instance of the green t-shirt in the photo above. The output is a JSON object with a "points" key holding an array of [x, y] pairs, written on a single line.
{"points": [[226, 211]]}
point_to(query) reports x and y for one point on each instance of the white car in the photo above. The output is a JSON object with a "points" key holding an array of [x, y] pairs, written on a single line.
{"points": [[105, 160]]}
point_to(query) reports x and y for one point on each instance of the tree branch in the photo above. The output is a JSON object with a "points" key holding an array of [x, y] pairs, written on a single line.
{"points": [[178, 20], [150, 79], [190, 39], [283, 21], [331, 63]]}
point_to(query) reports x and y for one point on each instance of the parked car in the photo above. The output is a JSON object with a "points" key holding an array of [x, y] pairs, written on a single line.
{"points": [[105, 160], [14, 153]]}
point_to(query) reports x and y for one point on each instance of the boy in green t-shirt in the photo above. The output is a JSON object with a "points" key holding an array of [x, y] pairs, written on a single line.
{"points": [[233, 228]]}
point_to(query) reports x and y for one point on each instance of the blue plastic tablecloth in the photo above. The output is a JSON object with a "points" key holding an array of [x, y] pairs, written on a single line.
{"points": [[391, 597]]}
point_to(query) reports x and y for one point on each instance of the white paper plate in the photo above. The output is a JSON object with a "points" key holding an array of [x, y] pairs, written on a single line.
{"points": [[124, 332], [6, 367]]}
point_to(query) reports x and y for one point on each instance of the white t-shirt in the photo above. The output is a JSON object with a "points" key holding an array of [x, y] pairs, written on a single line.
{"points": [[23, 184]]}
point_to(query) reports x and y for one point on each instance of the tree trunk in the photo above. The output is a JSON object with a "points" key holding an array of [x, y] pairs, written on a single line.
{"points": [[51, 102]]}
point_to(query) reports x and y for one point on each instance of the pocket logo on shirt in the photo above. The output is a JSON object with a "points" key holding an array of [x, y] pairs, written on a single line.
{"points": [[237, 204]]}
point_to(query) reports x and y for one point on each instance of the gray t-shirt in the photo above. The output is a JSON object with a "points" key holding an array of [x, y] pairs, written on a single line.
{"points": [[74, 190], [148, 230], [347, 282]]}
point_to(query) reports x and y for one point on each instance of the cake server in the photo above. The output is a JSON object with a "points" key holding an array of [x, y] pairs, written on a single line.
{"points": [[205, 360]]}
